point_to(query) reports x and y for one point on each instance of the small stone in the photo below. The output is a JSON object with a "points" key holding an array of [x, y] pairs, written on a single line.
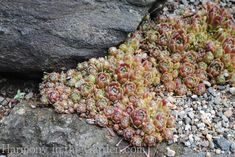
{"points": [[180, 131], [209, 137], [212, 91], [217, 151], [182, 114], [205, 143], [175, 138], [207, 83], [185, 2], [194, 128], [171, 99], [232, 147], [1, 99], [195, 97], [187, 127], [205, 95], [225, 119], [187, 143], [197, 139], [170, 152], [191, 139], [211, 144], [228, 113], [226, 74], [201, 126], [221, 87], [225, 124], [208, 154], [4, 102], [29, 96], [232, 90], [222, 143], [187, 120], [217, 101], [191, 115]]}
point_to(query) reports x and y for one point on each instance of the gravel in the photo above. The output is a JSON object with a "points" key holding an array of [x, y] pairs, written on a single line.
{"points": [[206, 123]]}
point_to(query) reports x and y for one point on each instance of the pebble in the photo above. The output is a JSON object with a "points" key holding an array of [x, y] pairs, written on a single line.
{"points": [[171, 99], [211, 91], [191, 139], [222, 143], [195, 97], [211, 145], [191, 115], [187, 143], [232, 90], [201, 126], [1, 99], [228, 113], [209, 137], [187, 127], [217, 151], [170, 152], [221, 87], [207, 83], [205, 143], [232, 147], [208, 154], [226, 74]]}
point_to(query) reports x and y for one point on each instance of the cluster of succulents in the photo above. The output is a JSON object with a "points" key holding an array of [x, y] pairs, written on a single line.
{"points": [[113, 92], [117, 91], [189, 48]]}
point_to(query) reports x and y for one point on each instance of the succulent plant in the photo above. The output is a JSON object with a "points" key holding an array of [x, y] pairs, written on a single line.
{"points": [[118, 90], [215, 68]]}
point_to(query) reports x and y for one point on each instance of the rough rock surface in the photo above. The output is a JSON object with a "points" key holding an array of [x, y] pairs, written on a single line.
{"points": [[46, 35], [55, 134]]}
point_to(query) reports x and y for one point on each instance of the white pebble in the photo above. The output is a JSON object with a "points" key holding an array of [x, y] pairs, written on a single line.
{"points": [[209, 137], [217, 151], [208, 154], [232, 90], [187, 127], [170, 152], [207, 83]]}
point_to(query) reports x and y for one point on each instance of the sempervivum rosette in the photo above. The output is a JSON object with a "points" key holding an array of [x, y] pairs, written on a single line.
{"points": [[123, 72], [217, 16], [229, 45], [163, 30], [165, 65], [195, 22], [215, 68], [114, 91], [186, 69], [178, 41]]}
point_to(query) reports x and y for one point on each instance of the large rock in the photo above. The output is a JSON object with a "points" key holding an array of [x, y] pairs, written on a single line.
{"points": [[56, 135], [46, 35]]}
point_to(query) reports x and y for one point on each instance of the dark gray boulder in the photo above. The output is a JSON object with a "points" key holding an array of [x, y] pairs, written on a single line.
{"points": [[42, 132], [47, 35]]}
